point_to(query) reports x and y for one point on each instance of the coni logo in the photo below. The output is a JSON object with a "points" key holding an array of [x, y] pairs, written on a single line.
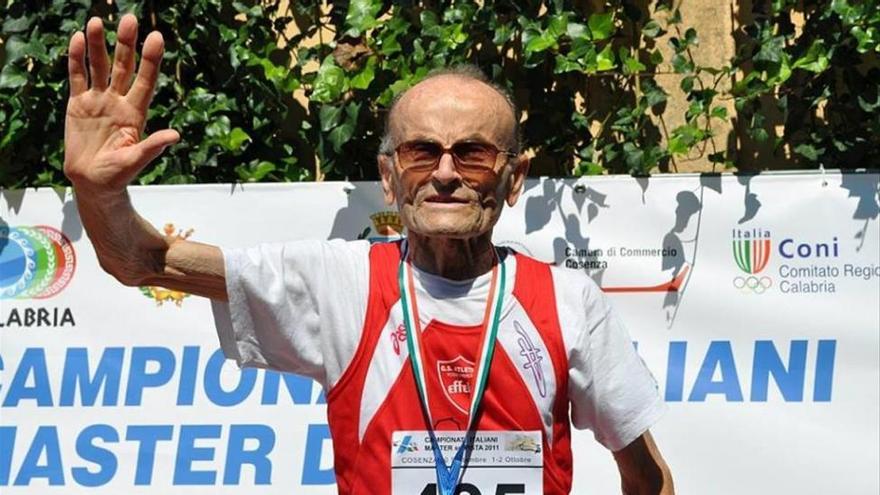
{"points": [[36, 262], [751, 251]]}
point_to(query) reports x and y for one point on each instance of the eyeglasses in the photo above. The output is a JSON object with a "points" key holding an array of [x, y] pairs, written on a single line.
{"points": [[468, 156]]}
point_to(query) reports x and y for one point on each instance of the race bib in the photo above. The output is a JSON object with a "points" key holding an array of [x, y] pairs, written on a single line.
{"points": [[500, 463]]}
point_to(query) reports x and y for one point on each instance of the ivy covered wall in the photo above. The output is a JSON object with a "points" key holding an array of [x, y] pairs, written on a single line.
{"points": [[276, 91]]}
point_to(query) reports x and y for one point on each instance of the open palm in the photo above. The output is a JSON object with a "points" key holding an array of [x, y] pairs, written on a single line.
{"points": [[103, 150]]}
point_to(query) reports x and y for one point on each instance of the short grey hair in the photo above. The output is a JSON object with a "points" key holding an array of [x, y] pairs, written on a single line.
{"points": [[467, 71]]}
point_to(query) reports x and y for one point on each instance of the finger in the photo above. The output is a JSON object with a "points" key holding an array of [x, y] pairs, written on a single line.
{"points": [[151, 59], [153, 146], [123, 54], [98, 64], [76, 64]]}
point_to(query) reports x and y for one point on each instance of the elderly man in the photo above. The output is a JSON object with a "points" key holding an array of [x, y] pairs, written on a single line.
{"points": [[443, 344]]}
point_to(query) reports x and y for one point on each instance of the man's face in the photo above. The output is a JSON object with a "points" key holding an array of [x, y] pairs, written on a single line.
{"points": [[447, 201]]}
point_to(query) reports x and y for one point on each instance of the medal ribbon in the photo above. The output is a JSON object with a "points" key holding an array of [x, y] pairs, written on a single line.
{"points": [[448, 476]]}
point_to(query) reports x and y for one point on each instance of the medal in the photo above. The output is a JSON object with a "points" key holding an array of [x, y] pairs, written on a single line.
{"points": [[448, 476]]}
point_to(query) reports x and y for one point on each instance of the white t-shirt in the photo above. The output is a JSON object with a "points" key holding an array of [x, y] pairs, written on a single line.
{"points": [[300, 307]]}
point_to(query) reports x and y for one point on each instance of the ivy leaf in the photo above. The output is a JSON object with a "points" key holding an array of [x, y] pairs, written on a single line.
{"points": [[558, 25], [388, 43], [770, 51], [759, 134], [15, 49], [13, 77], [719, 113], [809, 151], [218, 127], [340, 135], [631, 65], [815, 60], [361, 16], [503, 34], [430, 24], [634, 157], [130, 6], [154, 174], [656, 57], [254, 171], [590, 168], [690, 37], [10, 134], [868, 39], [779, 73], [677, 146], [330, 82], [605, 59], [576, 30], [868, 106], [601, 25], [329, 115], [563, 64], [18, 24], [351, 113], [654, 95], [536, 42], [362, 79], [683, 138], [651, 29], [687, 84], [236, 138], [681, 65]]}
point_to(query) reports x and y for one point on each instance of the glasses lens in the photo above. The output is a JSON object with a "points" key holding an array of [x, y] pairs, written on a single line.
{"points": [[475, 154], [419, 154]]}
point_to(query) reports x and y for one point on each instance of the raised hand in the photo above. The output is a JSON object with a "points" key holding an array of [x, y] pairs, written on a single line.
{"points": [[103, 150]]}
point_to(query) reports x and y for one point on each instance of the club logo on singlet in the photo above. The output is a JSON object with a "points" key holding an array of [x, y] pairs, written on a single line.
{"points": [[455, 377]]}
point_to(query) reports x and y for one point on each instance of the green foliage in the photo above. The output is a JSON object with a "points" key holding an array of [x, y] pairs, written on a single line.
{"points": [[225, 85], [818, 84], [594, 84]]}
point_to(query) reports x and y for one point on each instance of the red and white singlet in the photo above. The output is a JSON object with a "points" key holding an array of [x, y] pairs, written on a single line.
{"points": [[562, 357]]}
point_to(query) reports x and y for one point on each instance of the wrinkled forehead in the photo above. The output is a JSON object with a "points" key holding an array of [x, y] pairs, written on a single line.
{"points": [[452, 108]]}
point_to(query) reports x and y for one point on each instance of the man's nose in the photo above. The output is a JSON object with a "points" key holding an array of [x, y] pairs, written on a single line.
{"points": [[445, 172]]}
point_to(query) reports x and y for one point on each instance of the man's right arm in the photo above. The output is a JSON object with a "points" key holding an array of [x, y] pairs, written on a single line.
{"points": [[136, 254], [104, 151]]}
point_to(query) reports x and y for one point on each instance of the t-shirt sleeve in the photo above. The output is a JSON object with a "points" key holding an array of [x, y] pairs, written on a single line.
{"points": [[611, 390], [296, 306]]}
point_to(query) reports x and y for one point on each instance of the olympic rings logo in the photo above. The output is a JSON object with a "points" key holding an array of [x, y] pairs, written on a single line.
{"points": [[36, 262], [756, 285]]}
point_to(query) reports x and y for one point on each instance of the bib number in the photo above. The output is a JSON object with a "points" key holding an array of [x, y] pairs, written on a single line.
{"points": [[500, 463], [469, 489]]}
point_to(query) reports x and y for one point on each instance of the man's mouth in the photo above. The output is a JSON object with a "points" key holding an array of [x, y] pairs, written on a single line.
{"points": [[442, 198]]}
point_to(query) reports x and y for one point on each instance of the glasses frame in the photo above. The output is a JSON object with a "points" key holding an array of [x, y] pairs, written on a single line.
{"points": [[458, 163]]}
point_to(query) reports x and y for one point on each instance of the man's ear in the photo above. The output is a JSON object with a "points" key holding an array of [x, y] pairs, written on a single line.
{"points": [[517, 178], [386, 173]]}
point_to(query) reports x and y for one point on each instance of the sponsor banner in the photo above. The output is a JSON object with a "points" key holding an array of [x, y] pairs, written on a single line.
{"points": [[754, 300]]}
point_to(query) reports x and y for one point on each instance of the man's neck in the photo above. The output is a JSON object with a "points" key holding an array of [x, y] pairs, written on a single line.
{"points": [[455, 259]]}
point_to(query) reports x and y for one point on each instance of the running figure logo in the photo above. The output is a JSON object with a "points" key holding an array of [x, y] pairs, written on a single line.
{"points": [[531, 354], [398, 336], [751, 251]]}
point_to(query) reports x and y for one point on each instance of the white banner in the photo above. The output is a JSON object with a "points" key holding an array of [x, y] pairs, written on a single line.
{"points": [[755, 301]]}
